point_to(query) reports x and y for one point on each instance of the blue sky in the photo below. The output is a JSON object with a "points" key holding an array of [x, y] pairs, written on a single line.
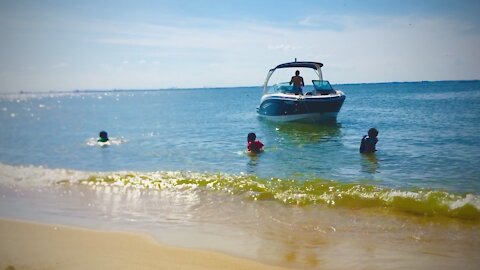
{"points": [[68, 45]]}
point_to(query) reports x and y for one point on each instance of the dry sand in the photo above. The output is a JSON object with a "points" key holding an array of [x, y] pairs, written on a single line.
{"points": [[25, 245]]}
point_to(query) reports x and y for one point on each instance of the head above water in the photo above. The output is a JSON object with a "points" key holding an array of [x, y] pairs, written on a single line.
{"points": [[297, 72], [373, 133], [103, 134], [251, 137]]}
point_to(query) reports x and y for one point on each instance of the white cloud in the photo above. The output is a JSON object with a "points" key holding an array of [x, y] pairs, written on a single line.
{"points": [[353, 49]]}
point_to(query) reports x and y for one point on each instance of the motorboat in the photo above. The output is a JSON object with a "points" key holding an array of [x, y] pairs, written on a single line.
{"points": [[317, 102]]}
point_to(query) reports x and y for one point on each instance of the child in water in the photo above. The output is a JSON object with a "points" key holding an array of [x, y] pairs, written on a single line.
{"points": [[253, 145], [368, 143], [103, 137]]}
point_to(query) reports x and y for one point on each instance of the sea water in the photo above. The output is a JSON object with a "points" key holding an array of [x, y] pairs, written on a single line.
{"points": [[177, 169]]}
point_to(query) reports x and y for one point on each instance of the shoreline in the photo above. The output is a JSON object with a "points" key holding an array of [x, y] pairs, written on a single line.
{"points": [[33, 219], [29, 245]]}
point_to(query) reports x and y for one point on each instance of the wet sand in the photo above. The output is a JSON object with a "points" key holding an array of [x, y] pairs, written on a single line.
{"points": [[26, 245]]}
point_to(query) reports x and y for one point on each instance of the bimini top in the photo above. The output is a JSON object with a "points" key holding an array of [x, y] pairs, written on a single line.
{"points": [[314, 65]]}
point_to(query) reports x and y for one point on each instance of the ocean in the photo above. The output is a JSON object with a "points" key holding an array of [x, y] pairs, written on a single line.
{"points": [[177, 169]]}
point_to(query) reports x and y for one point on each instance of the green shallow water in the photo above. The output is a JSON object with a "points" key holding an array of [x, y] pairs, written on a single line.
{"points": [[334, 194]]}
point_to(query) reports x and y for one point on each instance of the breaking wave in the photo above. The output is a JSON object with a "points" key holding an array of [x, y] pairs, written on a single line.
{"points": [[287, 191]]}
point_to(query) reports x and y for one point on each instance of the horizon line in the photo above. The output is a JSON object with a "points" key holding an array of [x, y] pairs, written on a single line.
{"points": [[205, 87]]}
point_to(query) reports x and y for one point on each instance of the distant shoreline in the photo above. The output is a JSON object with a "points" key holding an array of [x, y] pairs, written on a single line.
{"points": [[216, 87]]}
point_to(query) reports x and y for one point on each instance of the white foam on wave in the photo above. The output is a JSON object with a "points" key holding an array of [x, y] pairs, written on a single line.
{"points": [[38, 175], [31, 175], [41, 176], [404, 194], [469, 199], [112, 141], [453, 201]]}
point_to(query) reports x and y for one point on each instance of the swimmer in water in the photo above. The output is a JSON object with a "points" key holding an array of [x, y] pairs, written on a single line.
{"points": [[254, 146], [368, 143], [103, 137]]}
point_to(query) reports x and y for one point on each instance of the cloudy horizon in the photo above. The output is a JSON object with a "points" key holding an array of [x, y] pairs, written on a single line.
{"points": [[57, 46]]}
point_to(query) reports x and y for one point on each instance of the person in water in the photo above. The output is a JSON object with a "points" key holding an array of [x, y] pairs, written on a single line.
{"points": [[298, 83], [368, 143], [253, 145], [103, 136]]}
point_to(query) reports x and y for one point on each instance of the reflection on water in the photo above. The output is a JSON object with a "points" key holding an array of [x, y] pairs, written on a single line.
{"points": [[299, 150], [370, 163], [304, 133], [253, 162]]}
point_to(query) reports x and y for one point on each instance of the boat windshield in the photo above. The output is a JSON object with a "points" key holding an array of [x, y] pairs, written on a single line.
{"points": [[319, 87], [284, 87], [322, 87]]}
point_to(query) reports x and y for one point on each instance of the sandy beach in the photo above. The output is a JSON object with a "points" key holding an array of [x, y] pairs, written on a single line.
{"points": [[80, 227], [26, 245]]}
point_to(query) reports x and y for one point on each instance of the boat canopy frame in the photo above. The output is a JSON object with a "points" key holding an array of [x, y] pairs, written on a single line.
{"points": [[316, 66]]}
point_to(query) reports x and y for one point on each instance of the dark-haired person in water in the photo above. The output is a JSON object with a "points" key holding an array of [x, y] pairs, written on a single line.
{"points": [[103, 137], [368, 143], [253, 145]]}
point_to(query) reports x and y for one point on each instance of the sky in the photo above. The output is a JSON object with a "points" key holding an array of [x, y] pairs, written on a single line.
{"points": [[103, 45]]}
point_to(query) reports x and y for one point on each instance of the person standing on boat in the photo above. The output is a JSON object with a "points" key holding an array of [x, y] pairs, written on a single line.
{"points": [[298, 83]]}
